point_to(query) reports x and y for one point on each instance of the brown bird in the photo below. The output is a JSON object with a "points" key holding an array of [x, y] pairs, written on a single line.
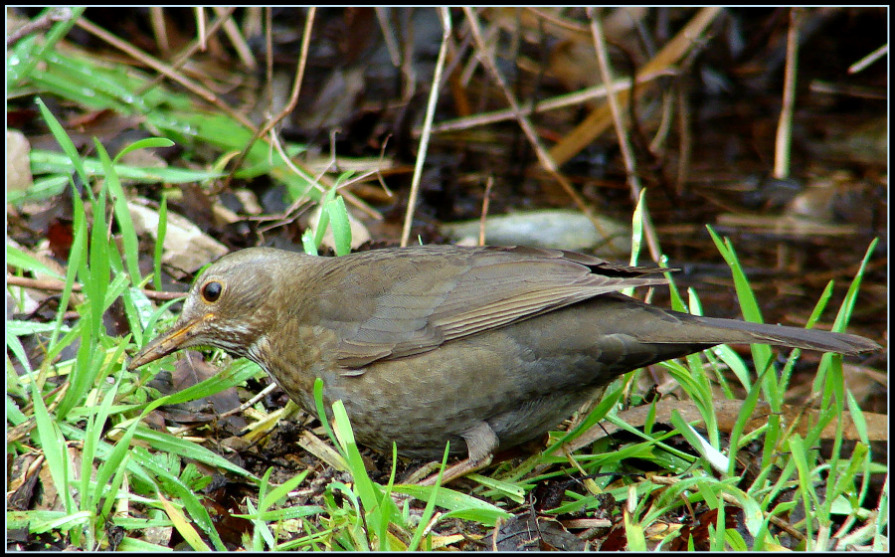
{"points": [[484, 347]]}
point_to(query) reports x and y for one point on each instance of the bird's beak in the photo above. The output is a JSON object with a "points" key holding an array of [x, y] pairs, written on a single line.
{"points": [[176, 338]]}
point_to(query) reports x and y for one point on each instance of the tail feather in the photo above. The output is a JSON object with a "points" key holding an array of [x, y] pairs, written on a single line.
{"points": [[731, 331], [621, 315]]}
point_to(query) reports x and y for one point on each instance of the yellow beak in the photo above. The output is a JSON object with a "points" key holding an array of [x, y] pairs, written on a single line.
{"points": [[180, 336]]}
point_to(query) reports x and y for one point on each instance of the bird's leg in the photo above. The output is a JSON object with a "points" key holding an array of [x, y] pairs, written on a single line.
{"points": [[481, 442]]}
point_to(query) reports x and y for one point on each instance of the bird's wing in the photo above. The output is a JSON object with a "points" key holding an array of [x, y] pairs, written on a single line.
{"points": [[417, 303]]}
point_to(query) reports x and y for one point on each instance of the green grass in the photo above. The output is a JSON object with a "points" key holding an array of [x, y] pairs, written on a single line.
{"points": [[122, 462], [83, 80]]}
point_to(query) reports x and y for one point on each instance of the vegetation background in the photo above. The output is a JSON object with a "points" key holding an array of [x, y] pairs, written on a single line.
{"points": [[143, 143]]}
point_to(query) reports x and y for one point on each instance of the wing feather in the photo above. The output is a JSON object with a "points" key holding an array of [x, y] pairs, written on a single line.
{"points": [[428, 295]]}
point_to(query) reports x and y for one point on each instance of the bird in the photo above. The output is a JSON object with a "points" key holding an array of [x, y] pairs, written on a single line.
{"points": [[484, 347]]}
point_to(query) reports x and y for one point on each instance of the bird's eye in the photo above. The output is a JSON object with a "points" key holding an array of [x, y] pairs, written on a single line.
{"points": [[211, 291]]}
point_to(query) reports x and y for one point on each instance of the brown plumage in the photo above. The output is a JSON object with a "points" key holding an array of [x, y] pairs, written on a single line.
{"points": [[486, 347]]}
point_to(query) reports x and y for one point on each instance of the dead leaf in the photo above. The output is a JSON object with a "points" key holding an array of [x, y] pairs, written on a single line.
{"points": [[18, 162]]}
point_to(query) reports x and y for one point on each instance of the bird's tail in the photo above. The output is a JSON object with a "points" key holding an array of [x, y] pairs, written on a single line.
{"points": [[732, 331]]}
